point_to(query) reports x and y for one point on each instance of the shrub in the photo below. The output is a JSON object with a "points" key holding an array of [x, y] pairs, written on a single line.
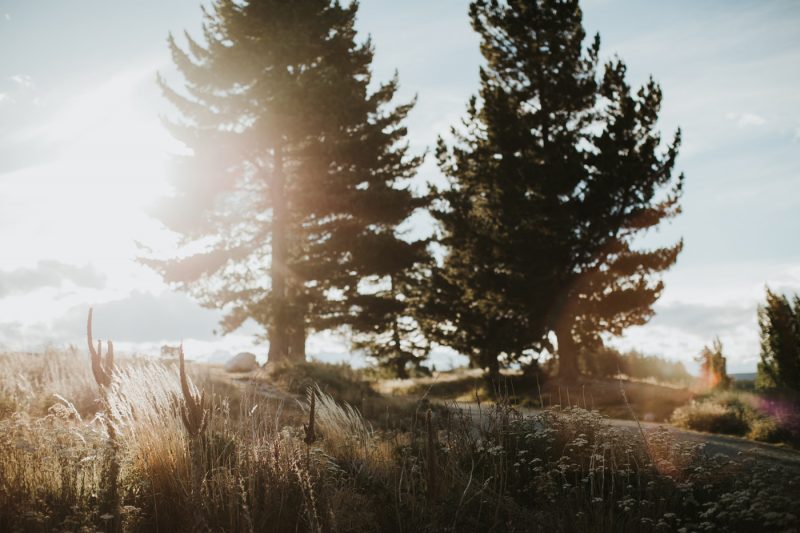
{"points": [[711, 417], [758, 417], [339, 380], [767, 430]]}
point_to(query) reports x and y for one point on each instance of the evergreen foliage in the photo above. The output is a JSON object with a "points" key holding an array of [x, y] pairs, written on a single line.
{"points": [[390, 332], [779, 321], [558, 168], [297, 177]]}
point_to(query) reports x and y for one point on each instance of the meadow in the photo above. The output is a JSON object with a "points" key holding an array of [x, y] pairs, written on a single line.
{"points": [[147, 453]]}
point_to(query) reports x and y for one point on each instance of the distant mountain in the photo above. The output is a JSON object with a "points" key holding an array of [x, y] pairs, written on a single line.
{"points": [[744, 376]]}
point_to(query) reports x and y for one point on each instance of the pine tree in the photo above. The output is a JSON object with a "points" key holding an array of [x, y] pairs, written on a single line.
{"points": [[297, 174], [556, 172], [779, 321]]}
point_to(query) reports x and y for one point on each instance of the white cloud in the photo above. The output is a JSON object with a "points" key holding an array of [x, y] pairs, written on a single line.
{"points": [[751, 119], [744, 120], [23, 80], [7, 16], [49, 273], [715, 299]]}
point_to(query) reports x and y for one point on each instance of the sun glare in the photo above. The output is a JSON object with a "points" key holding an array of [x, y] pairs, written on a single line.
{"points": [[92, 195]]}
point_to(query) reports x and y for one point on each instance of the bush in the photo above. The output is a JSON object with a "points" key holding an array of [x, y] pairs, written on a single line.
{"points": [[767, 430], [758, 417], [339, 380], [711, 417]]}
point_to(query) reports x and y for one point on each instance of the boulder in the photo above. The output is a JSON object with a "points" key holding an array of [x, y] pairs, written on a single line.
{"points": [[242, 362]]}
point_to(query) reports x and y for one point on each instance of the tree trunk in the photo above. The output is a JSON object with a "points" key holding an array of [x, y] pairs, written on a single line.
{"points": [[278, 334], [400, 361], [297, 342], [567, 353], [400, 368]]}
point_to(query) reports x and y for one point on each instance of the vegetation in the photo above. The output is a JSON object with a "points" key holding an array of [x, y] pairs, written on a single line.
{"points": [[618, 397], [290, 199], [557, 171], [490, 469], [713, 367], [609, 362], [757, 417], [779, 321]]}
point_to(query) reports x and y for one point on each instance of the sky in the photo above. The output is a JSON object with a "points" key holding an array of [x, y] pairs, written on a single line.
{"points": [[83, 155]]}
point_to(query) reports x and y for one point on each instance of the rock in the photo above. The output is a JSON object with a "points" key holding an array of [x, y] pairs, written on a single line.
{"points": [[242, 362]]}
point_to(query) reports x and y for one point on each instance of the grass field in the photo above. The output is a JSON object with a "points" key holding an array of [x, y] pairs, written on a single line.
{"points": [[74, 457]]}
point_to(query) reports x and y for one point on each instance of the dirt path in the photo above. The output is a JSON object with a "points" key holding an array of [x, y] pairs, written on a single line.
{"points": [[724, 444], [729, 446]]}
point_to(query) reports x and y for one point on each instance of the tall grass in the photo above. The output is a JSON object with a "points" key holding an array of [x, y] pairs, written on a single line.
{"points": [[488, 469]]}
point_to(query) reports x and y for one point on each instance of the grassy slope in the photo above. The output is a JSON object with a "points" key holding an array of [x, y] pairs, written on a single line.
{"points": [[560, 470]]}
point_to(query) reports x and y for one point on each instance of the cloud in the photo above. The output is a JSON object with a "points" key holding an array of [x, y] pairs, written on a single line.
{"points": [[49, 273], [137, 320], [140, 323], [744, 120], [679, 330], [704, 320], [143, 317], [23, 80]]}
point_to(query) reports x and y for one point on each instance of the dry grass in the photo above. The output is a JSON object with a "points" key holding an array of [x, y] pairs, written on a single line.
{"points": [[489, 470]]}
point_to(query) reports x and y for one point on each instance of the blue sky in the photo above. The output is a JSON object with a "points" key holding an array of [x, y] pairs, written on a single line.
{"points": [[82, 154]]}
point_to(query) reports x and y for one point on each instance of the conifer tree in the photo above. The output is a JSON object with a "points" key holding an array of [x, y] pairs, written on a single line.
{"points": [[556, 172], [296, 180], [779, 322]]}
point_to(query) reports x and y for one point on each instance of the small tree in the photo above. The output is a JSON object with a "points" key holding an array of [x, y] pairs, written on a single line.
{"points": [[713, 367], [779, 321], [390, 333]]}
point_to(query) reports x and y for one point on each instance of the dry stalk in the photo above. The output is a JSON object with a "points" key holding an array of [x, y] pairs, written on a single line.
{"points": [[103, 370], [195, 419], [431, 456], [635, 419], [309, 429]]}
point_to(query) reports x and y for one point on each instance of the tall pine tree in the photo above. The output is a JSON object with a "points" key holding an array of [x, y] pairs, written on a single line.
{"points": [[556, 172], [297, 176]]}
